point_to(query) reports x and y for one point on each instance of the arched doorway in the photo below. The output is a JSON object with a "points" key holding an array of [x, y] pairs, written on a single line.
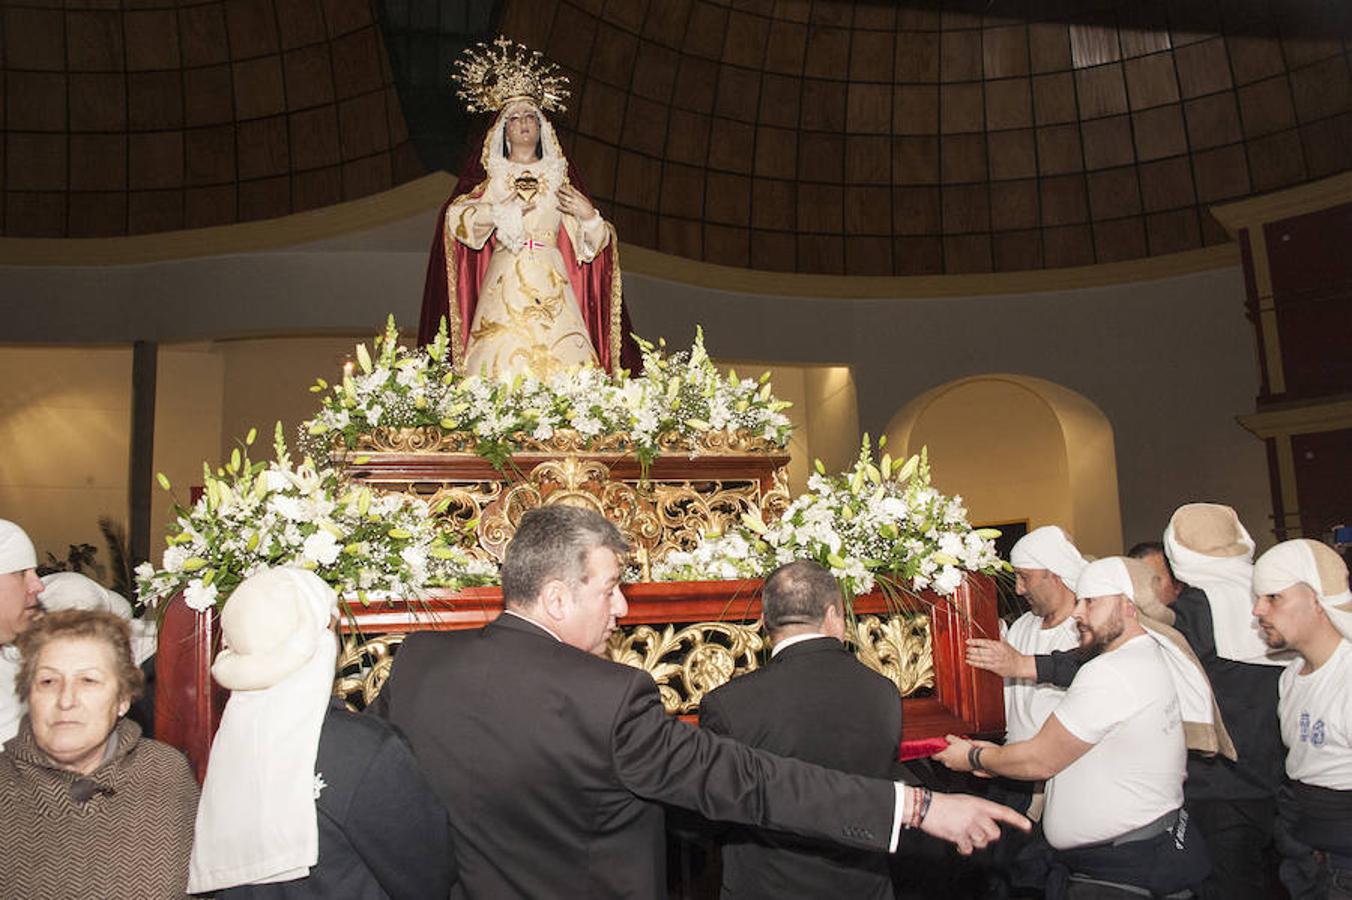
{"points": [[1019, 448]]}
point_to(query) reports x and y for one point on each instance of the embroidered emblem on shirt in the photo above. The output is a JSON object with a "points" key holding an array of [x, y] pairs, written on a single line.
{"points": [[1311, 732]]}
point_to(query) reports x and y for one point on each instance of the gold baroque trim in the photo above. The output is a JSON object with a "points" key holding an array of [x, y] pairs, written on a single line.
{"points": [[363, 668], [686, 660], [708, 654], [433, 439], [900, 648]]}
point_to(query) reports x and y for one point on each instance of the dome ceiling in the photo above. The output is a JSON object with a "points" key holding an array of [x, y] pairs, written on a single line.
{"points": [[899, 138], [869, 138], [185, 114]]}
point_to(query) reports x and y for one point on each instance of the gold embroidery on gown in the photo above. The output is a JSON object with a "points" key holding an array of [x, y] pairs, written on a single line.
{"points": [[527, 319]]}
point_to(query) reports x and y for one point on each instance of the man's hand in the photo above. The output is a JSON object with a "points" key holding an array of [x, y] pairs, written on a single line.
{"points": [[957, 755], [1000, 658], [967, 822]]}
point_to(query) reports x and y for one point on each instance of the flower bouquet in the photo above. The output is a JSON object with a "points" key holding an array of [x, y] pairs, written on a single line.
{"points": [[367, 544], [677, 401], [880, 524]]}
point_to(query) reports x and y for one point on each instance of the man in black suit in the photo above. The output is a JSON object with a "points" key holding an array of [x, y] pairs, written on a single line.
{"points": [[553, 762], [814, 702]]}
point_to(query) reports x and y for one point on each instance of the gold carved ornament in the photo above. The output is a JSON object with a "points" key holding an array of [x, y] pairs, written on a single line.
{"points": [[434, 439], [708, 654], [363, 668], [686, 661], [899, 648]]}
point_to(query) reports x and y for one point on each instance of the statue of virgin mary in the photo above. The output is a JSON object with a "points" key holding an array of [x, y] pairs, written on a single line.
{"points": [[523, 266]]}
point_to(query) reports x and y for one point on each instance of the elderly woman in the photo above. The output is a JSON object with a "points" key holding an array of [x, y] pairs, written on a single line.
{"points": [[88, 808]]}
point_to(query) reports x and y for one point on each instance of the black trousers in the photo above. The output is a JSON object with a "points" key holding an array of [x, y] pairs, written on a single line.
{"points": [[1239, 838]]}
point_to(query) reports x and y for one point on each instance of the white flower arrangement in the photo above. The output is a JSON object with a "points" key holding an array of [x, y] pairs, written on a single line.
{"points": [[677, 400], [367, 544], [878, 522]]}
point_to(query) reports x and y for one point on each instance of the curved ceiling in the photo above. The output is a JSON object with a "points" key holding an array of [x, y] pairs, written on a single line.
{"points": [[901, 138], [174, 115], [818, 136]]}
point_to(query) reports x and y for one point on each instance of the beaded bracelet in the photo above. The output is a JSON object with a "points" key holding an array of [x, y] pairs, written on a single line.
{"points": [[926, 796], [916, 798]]}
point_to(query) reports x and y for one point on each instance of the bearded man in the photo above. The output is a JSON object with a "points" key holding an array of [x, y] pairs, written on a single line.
{"points": [[1114, 751]]}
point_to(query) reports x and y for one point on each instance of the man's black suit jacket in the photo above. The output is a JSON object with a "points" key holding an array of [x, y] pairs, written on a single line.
{"points": [[552, 763], [815, 702]]}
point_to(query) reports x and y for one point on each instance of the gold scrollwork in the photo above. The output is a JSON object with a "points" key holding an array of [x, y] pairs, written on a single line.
{"points": [[686, 660], [776, 501], [420, 439], [688, 510], [363, 667], [689, 662], [576, 482], [899, 648], [432, 439]]}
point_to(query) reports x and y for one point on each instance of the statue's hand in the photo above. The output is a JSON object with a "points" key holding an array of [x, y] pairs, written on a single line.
{"points": [[574, 204]]}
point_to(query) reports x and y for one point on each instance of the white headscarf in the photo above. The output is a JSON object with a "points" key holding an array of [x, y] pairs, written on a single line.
{"points": [[1209, 548], [1203, 728], [256, 823], [1048, 548], [16, 550], [71, 590], [1311, 563]]}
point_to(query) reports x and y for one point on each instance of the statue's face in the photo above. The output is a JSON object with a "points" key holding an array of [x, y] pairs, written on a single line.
{"points": [[522, 128]]}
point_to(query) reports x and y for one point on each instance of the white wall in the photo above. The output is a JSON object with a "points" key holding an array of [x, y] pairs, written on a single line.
{"points": [[65, 422], [1169, 362]]}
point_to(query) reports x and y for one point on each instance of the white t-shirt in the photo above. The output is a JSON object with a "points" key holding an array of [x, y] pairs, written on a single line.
{"points": [[1124, 703], [11, 707], [1316, 716], [1027, 704]]}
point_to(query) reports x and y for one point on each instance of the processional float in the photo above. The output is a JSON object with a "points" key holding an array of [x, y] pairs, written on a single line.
{"points": [[415, 474]]}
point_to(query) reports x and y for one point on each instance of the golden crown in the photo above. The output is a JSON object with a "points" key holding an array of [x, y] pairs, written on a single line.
{"points": [[492, 75]]}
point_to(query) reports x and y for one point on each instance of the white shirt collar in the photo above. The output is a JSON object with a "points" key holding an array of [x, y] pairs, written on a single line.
{"points": [[796, 639], [535, 622]]}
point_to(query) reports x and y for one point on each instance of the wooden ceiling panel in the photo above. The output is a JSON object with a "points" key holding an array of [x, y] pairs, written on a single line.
{"points": [[94, 41], [1266, 106], [1220, 174], [1203, 67], [872, 56], [98, 162], [1114, 193], [1151, 81], [1119, 239], [731, 146], [1159, 132], [1013, 154], [916, 210], [1167, 184], [813, 135], [1008, 104], [1101, 91], [961, 108], [967, 253], [1107, 142], [1212, 121], [1068, 245], [1005, 52], [1058, 150], [1017, 250]]}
